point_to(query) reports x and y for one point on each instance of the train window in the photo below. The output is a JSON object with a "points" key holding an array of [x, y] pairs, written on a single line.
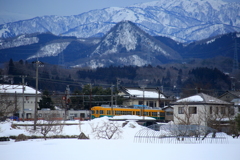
{"points": [[101, 111], [108, 112], [96, 111], [162, 114], [137, 113], [93, 112], [118, 112], [145, 113], [154, 113], [134, 113]]}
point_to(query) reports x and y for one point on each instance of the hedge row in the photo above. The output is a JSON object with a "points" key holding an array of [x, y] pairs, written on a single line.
{"points": [[49, 137]]}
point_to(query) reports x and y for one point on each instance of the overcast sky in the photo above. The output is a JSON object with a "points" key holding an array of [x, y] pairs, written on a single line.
{"points": [[62, 7]]}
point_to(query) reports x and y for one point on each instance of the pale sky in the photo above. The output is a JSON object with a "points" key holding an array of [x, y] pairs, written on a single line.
{"points": [[62, 7]]}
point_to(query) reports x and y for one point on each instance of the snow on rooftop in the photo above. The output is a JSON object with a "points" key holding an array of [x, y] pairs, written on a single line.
{"points": [[8, 88], [195, 98], [147, 94]]}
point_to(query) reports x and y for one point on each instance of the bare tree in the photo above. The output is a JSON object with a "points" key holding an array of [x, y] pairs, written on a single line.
{"points": [[186, 115], [49, 124], [8, 105], [106, 130]]}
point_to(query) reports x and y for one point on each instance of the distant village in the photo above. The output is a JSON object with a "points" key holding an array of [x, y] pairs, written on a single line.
{"points": [[18, 103]]}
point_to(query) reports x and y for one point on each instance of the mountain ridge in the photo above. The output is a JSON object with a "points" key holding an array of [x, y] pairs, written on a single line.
{"points": [[181, 20]]}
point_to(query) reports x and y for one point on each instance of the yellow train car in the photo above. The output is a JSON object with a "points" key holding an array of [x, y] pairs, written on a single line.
{"points": [[100, 111]]}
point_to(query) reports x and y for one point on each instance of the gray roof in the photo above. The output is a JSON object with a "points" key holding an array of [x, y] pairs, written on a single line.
{"points": [[234, 93], [202, 98]]}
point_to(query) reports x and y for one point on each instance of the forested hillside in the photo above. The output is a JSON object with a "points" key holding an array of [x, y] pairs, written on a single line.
{"points": [[174, 79]]}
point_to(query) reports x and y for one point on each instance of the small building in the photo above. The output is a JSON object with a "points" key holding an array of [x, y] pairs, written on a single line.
{"points": [[201, 109], [19, 100], [236, 104], [230, 95], [150, 97], [168, 113]]}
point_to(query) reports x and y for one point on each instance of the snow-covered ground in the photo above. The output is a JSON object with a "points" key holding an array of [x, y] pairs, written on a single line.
{"points": [[116, 149]]}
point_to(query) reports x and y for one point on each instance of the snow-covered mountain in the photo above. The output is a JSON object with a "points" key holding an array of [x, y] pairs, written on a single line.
{"points": [[182, 20], [124, 44], [18, 41], [127, 44]]}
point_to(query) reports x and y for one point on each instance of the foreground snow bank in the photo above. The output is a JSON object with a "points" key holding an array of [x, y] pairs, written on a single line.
{"points": [[121, 149]]}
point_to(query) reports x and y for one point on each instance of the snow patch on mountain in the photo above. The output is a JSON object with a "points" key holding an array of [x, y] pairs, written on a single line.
{"points": [[211, 41], [94, 63], [134, 60], [52, 49], [19, 41]]}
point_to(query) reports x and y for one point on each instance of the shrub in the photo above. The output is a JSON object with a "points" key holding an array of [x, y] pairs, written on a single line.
{"points": [[21, 137]]}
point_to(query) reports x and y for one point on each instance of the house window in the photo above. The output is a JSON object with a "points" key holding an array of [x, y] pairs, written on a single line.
{"points": [[180, 110], [216, 110], [210, 111], [169, 113], [222, 110], [231, 110], [140, 102], [150, 104], [192, 110], [82, 115]]}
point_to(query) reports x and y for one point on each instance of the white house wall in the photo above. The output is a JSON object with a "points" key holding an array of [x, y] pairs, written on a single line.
{"points": [[202, 115]]}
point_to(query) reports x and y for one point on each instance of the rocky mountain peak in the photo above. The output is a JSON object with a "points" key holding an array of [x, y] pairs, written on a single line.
{"points": [[126, 37]]}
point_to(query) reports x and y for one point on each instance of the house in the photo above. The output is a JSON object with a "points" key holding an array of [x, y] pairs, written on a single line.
{"points": [[230, 95], [201, 109], [234, 98], [150, 97], [236, 104], [18, 102], [168, 113]]}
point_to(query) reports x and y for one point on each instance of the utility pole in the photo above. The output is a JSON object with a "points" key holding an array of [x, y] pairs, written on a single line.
{"points": [[23, 89], [118, 82], [38, 64], [159, 97], [90, 96], [112, 95], [143, 88], [67, 92], [235, 59], [112, 99], [143, 85]]}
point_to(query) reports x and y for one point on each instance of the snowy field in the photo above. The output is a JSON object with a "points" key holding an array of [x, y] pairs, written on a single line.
{"points": [[115, 149]]}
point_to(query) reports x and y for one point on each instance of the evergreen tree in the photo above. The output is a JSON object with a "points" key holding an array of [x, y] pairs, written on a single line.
{"points": [[237, 120], [11, 67], [46, 101]]}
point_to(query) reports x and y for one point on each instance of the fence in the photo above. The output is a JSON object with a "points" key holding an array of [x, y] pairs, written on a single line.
{"points": [[188, 134]]}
